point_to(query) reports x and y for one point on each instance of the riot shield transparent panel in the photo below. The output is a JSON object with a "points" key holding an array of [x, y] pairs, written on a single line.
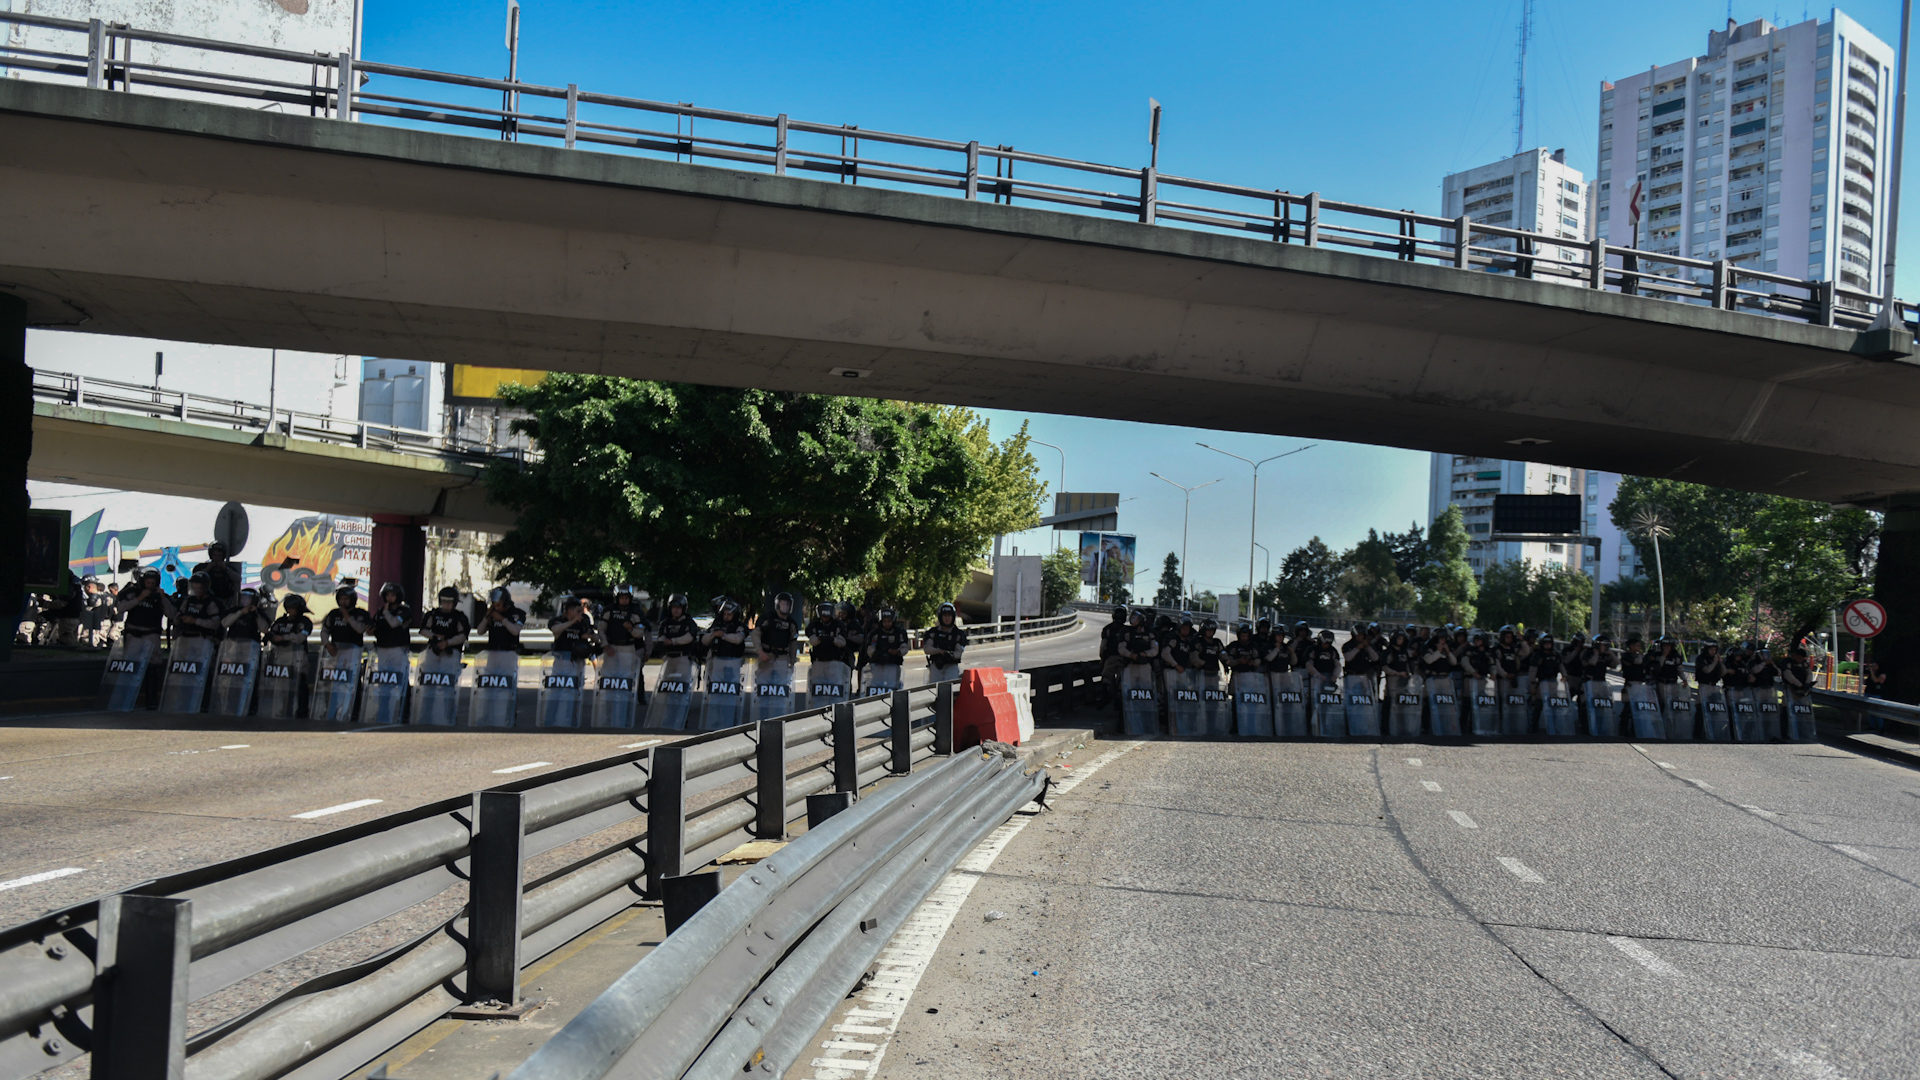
{"points": [[236, 668], [1405, 703], [1603, 712], [336, 685], [1216, 706], [1644, 707], [1183, 702], [1288, 692], [671, 705], [1677, 709], [283, 675], [384, 701], [1443, 703], [562, 690], [725, 704], [1363, 707], [189, 664], [1139, 704], [436, 688], [1716, 718], [826, 683], [616, 688], [1559, 712], [1253, 707], [496, 689], [773, 688], [126, 672]]}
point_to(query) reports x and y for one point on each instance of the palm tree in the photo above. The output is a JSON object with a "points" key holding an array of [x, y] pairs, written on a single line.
{"points": [[1648, 523]]}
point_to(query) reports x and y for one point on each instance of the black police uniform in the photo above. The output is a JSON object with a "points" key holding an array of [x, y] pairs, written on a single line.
{"points": [[443, 626], [385, 634], [777, 633], [886, 646], [340, 630], [942, 642]]}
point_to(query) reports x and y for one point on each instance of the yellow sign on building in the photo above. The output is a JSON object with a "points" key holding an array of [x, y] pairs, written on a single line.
{"points": [[473, 385]]}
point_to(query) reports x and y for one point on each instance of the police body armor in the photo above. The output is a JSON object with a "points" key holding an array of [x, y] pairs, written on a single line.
{"points": [[616, 687], [336, 684], [236, 667], [1363, 708], [126, 672], [496, 689], [1444, 702], [385, 701], [436, 688]]}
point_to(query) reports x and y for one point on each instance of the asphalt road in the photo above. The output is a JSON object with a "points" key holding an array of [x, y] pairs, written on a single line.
{"points": [[1517, 910], [90, 803]]}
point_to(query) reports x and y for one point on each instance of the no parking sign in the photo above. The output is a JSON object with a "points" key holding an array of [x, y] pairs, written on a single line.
{"points": [[1864, 618]]}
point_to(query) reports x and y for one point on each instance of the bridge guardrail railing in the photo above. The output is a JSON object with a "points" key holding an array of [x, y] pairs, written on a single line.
{"points": [[101, 57], [1861, 707], [116, 976]]}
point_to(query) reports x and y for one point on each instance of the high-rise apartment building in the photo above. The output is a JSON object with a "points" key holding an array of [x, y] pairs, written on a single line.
{"points": [[1536, 190], [1472, 482], [1771, 151]]}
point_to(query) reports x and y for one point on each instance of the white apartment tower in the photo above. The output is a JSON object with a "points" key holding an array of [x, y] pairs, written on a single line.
{"points": [[1536, 190], [1772, 151]]}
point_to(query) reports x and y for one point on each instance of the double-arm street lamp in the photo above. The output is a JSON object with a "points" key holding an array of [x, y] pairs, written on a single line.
{"points": [[1183, 524], [1253, 528]]}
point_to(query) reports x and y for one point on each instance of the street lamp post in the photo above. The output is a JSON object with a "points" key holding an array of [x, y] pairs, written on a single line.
{"points": [[1253, 526], [1063, 483], [1184, 575], [1268, 575], [1552, 599]]}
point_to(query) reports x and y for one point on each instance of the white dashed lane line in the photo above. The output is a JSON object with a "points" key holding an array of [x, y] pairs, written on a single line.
{"points": [[1414, 761], [35, 879], [638, 745], [1701, 784], [1853, 851], [1768, 814], [1462, 820], [1644, 956], [340, 809], [1430, 785], [1522, 871], [1807, 1065], [522, 768]]}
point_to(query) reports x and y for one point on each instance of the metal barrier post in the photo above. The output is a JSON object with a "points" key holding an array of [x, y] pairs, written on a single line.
{"points": [[1149, 194], [846, 764], [682, 897], [498, 868], [1313, 219], [573, 112], [1721, 280], [140, 1002], [973, 169], [666, 816], [901, 737], [943, 719], [344, 92], [770, 781], [1825, 290], [96, 52], [1597, 264], [780, 145], [1462, 246]]}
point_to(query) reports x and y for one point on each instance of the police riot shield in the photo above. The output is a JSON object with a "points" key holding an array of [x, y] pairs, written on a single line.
{"points": [[1288, 692], [939, 673], [282, 670], [1516, 707], [189, 663], [1716, 721], [1746, 720], [1798, 718], [1643, 705], [126, 672], [671, 705], [726, 696], [1329, 709], [616, 688], [1139, 706], [335, 685], [1603, 714], [496, 689], [1443, 703], [773, 688], [826, 683], [1676, 708], [562, 690], [1363, 707], [1216, 705], [1184, 711], [883, 679], [385, 699], [1559, 713], [1404, 702], [1253, 705], [1483, 702], [436, 688], [1766, 703], [235, 668]]}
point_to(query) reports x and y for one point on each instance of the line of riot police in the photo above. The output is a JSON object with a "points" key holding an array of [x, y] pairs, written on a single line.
{"points": [[1448, 681]]}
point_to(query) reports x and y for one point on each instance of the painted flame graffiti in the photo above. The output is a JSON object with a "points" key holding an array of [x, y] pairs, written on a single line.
{"points": [[311, 541]]}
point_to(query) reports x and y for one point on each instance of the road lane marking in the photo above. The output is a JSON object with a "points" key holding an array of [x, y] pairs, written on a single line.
{"points": [[1644, 956], [1853, 851], [1663, 764], [1522, 871], [341, 809], [911, 950], [1462, 820], [1809, 1066], [1414, 761], [637, 745], [238, 746], [1430, 785], [1768, 814], [522, 768], [1701, 784], [45, 875]]}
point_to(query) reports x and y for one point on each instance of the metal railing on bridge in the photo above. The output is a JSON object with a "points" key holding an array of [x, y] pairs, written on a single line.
{"points": [[87, 392], [101, 56]]}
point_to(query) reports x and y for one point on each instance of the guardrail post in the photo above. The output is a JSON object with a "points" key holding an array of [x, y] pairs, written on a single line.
{"points": [[780, 145], [770, 781], [682, 897], [140, 995], [1462, 246], [666, 816], [1149, 194], [1825, 291], [1629, 272], [1313, 219], [1597, 264], [183, 404], [498, 866], [973, 169], [96, 52], [79, 389], [344, 92], [846, 767], [1523, 249], [1722, 279], [573, 111], [902, 736], [943, 719], [826, 804]]}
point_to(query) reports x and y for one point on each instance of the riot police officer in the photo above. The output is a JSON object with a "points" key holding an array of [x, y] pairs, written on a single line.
{"points": [[944, 644], [777, 641], [573, 629], [446, 626], [391, 629], [826, 638], [200, 613], [1211, 648], [1110, 661], [778, 632], [1244, 655], [675, 639], [726, 638]]}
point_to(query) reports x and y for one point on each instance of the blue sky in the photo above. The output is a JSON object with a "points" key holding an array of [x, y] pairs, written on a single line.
{"points": [[1369, 102]]}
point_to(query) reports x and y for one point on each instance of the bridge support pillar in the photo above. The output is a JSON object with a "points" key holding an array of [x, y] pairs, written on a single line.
{"points": [[399, 554], [1896, 584], [16, 446]]}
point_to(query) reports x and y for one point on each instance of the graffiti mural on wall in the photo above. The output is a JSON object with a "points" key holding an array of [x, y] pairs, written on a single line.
{"points": [[323, 543], [91, 550]]}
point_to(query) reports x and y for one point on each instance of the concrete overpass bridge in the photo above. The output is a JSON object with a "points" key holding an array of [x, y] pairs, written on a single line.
{"points": [[1258, 310]]}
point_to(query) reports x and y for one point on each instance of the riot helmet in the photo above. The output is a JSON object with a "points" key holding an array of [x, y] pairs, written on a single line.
{"points": [[1137, 617], [249, 596], [844, 610], [677, 600], [1400, 637], [294, 604], [150, 574], [1241, 628], [783, 603], [217, 551], [1209, 625], [499, 595], [1120, 613], [198, 584], [1602, 640], [567, 600], [1186, 620], [1507, 632], [448, 595], [346, 596], [1373, 628], [887, 616], [1301, 627], [729, 608], [947, 615], [1326, 636], [393, 589], [1480, 637], [1533, 634], [1264, 626], [823, 611]]}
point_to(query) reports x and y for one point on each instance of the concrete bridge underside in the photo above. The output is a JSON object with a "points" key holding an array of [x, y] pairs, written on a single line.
{"points": [[180, 220]]}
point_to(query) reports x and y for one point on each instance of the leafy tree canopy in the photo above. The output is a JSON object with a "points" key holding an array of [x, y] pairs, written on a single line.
{"points": [[1060, 579], [1446, 587], [711, 489], [1169, 594], [1521, 593], [1370, 581]]}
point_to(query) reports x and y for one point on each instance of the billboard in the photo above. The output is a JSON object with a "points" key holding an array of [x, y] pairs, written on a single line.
{"points": [[470, 385], [1106, 554]]}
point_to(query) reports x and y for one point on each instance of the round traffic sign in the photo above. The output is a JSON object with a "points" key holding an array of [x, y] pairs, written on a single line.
{"points": [[1864, 618]]}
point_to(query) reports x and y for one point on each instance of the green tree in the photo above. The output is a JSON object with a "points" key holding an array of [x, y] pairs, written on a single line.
{"points": [[1114, 586], [1370, 582], [710, 489], [1308, 576], [1446, 586], [1521, 593], [1169, 594], [1060, 579], [1409, 550]]}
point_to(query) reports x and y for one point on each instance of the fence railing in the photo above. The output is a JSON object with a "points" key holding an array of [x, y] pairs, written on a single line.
{"points": [[102, 56], [115, 976], [1862, 708], [87, 392]]}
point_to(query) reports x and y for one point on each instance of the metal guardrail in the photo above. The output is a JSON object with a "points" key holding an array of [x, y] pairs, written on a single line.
{"points": [[115, 976], [87, 392], [102, 57], [1029, 628], [1862, 707], [743, 986]]}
